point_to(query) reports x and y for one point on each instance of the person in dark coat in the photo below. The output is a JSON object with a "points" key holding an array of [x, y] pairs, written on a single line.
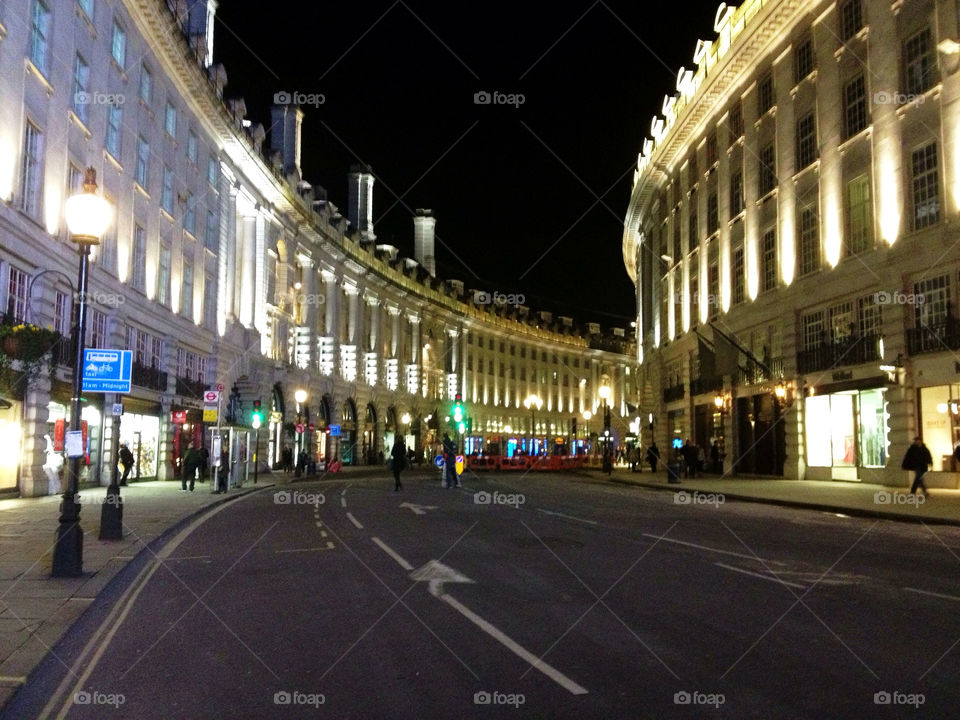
{"points": [[191, 461], [126, 459], [715, 465], [399, 461], [449, 462], [918, 459], [223, 474], [690, 455], [653, 456]]}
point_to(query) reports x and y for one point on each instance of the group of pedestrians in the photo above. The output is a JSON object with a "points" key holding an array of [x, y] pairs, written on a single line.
{"points": [[401, 459]]}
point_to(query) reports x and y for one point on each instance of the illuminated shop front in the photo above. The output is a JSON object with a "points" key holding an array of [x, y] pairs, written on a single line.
{"points": [[141, 433], [91, 424], [11, 438], [939, 409], [846, 431]]}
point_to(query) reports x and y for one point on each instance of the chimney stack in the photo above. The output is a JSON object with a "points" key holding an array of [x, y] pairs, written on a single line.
{"points": [[360, 201], [423, 224], [285, 134], [200, 26]]}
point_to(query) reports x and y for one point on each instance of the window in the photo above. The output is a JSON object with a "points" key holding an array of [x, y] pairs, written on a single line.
{"points": [[713, 217], [17, 295], [765, 93], [713, 285], [143, 162], [736, 193], [768, 273], [211, 238], [190, 215], [859, 215], [186, 293], [213, 171], [677, 247], [40, 36], [854, 107], [851, 19], [156, 352], [693, 171], [139, 257], [869, 317], [118, 45], [841, 322], [694, 296], [768, 170], [163, 276], [87, 7], [170, 119], [736, 121], [739, 277], [803, 60], [81, 86], [806, 141], [694, 238], [107, 250], [146, 84], [935, 308], [925, 186], [114, 123], [166, 196], [712, 154], [62, 314], [812, 328], [919, 63], [809, 236], [31, 170], [74, 180], [192, 147], [98, 329]]}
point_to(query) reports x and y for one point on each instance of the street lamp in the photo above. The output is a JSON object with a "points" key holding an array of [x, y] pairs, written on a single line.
{"points": [[533, 403], [255, 421], [87, 215], [604, 392]]}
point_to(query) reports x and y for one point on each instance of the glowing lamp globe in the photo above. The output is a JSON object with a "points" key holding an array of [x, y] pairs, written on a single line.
{"points": [[87, 214]]}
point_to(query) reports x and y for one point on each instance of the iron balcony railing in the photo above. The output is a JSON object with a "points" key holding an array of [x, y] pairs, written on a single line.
{"points": [[702, 385], [151, 377], [934, 338], [850, 351], [190, 388], [754, 373], [675, 392]]}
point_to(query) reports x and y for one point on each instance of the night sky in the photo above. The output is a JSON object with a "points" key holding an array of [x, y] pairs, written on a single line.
{"points": [[528, 199]]}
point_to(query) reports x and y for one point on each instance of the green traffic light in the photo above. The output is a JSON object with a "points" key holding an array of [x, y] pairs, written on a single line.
{"points": [[462, 427]]}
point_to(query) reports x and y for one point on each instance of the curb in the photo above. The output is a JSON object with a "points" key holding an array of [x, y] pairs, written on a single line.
{"points": [[803, 505]]}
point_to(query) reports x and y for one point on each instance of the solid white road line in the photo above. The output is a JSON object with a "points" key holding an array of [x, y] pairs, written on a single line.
{"points": [[931, 594], [568, 517], [354, 521], [716, 550], [392, 553], [761, 576], [548, 670], [329, 546]]}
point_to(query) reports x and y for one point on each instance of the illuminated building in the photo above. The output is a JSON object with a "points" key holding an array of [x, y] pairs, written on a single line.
{"points": [[791, 226], [224, 266]]}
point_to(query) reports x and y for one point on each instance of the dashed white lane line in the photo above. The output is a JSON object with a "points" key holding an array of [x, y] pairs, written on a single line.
{"points": [[355, 522], [711, 549], [392, 553], [761, 576], [931, 594], [319, 524], [343, 501], [568, 517]]}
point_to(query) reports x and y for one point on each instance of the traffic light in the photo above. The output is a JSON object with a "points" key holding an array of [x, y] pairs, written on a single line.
{"points": [[458, 410], [256, 417]]}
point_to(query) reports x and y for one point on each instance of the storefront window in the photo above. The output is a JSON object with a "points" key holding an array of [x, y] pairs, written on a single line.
{"points": [[940, 419], [873, 429], [142, 435], [847, 429], [819, 453], [10, 439], [842, 427]]}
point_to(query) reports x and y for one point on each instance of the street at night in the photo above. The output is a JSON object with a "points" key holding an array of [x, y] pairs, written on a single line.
{"points": [[563, 597]]}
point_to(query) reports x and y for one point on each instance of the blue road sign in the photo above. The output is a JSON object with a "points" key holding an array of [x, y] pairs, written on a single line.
{"points": [[107, 370], [438, 461], [334, 431]]}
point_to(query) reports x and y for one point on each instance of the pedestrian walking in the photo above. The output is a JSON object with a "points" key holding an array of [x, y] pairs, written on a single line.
{"points": [[689, 453], [918, 459], [223, 476], [398, 461], [449, 463], [715, 466], [126, 460], [188, 470], [286, 458], [653, 456], [634, 458]]}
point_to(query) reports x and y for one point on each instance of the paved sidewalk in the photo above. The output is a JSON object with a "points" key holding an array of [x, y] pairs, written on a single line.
{"points": [[853, 498], [37, 609]]}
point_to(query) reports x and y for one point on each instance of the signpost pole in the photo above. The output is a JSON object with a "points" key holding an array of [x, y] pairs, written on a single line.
{"points": [[111, 512], [218, 447]]}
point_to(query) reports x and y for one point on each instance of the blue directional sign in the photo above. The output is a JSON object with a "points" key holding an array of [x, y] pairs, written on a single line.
{"points": [[107, 370], [438, 461], [334, 431]]}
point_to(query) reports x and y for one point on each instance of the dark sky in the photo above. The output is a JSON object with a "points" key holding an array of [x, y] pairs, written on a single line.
{"points": [[528, 200]]}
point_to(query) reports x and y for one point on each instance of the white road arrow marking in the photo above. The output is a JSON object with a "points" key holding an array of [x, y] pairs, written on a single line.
{"points": [[418, 509], [436, 573]]}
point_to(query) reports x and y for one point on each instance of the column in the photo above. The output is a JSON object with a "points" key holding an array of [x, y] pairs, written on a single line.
{"points": [[247, 277]]}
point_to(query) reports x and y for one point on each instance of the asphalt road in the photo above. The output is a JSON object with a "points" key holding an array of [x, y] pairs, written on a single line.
{"points": [[562, 597]]}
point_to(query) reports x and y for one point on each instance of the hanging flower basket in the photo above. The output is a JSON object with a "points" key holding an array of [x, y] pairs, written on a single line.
{"points": [[11, 347]]}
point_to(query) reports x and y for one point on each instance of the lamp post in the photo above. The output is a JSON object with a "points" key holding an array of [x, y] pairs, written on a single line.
{"points": [[587, 415], [87, 215], [533, 403], [301, 397], [604, 392], [255, 421]]}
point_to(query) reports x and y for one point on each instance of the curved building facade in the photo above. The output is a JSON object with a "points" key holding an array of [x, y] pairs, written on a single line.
{"points": [[224, 267], [791, 236]]}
